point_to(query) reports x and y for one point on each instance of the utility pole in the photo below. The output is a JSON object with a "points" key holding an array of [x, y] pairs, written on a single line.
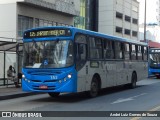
{"points": [[145, 22]]}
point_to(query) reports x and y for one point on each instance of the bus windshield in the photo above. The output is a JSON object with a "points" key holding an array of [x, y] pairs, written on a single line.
{"points": [[154, 60], [48, 54]]}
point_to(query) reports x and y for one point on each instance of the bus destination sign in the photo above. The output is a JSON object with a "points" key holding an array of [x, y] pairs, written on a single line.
{"points": [[47, 33]]}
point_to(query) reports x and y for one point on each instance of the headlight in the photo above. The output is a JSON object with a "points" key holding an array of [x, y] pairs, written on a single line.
{"points": [[27, 80], [69, 76], [60, 81], [23, 76]]}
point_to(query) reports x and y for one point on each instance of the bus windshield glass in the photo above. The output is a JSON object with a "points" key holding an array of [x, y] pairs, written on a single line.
{"points": [[154, 60], [48, 54]]}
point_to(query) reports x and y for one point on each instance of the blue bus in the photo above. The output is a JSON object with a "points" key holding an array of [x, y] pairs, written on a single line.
{"points": [[154, 62], [69, 60]]}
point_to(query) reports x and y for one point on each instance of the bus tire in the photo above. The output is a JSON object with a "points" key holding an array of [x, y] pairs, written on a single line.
{"points": [[158, 76], [54, 94], [94, 89], [133, 81]]}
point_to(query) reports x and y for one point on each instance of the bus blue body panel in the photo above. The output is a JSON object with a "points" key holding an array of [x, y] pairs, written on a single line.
{"points": [[154, 71], [50, 80]]}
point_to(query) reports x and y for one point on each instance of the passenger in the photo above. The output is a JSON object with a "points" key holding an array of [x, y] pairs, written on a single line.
{"points": [[11, 75]]}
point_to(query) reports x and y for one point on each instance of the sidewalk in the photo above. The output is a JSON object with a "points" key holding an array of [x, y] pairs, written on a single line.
{"points": [[13, 92]]}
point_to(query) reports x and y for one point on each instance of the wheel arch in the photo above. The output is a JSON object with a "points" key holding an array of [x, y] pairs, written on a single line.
{"points": [[134, 72], [99, 79]]}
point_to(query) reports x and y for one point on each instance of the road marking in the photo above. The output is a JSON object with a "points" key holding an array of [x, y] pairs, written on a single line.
{"points": [[127, 99], [152, 110]]}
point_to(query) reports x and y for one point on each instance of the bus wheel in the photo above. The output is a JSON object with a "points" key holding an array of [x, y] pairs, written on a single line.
{"points": [[133, 81], [158, 76], [54, 94], [94, 87]]}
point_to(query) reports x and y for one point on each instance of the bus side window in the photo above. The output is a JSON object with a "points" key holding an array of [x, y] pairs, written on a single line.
{"points": [[127, 51], [139, 52], [145, 53], [133, 52], [118, 50], [108, 49], [81, 50], [95, 48]]}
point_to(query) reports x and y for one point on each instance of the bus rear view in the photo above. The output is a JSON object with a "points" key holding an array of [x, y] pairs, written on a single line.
{"points": [[48, 62]]}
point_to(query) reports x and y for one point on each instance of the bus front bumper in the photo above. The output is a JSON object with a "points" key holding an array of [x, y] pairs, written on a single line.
{"points": [[68, 86]]}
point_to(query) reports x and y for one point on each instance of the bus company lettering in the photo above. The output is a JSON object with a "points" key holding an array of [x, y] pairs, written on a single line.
{"points": [[47, 33], [110, 66]]}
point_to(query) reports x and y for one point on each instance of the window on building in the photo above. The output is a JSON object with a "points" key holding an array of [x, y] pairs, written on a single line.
{"points": [[54, 23], [59, 24], [46, 22], [24, 23], [42, 23], [118, 29], [134, 33], [119, 15], [127, 31], [63, 24], [135, 21], [127, 18], [36, 22], [50, 23], [134, 8]]}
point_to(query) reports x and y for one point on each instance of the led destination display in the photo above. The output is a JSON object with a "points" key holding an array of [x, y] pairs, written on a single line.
{"points": [[47, 33]]}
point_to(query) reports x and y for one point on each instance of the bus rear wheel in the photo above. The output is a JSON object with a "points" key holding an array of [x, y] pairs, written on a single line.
{"points": [[94, 89], [158, 76], [54, 94], [133, 80]]}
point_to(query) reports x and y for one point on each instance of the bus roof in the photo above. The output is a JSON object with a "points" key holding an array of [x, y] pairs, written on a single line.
{"points": [[88, 32]]}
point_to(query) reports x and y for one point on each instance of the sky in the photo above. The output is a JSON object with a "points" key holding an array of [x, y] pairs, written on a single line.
{"points": [[150, 12]]}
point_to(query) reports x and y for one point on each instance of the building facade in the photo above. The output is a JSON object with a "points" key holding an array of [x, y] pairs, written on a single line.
{"points": [[20, 15], [119, 18], [88, 15]]}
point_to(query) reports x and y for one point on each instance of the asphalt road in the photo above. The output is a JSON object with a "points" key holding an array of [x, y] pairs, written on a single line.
{"points": [[146, 97]]}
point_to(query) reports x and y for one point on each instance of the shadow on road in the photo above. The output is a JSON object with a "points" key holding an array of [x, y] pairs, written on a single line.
{"points": [[77, 97]]}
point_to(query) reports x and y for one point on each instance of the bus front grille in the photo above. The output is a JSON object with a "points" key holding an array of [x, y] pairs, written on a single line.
{"points": [[45, 81]]}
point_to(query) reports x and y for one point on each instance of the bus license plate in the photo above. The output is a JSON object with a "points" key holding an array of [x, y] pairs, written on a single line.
{"points": [[43, 87]]}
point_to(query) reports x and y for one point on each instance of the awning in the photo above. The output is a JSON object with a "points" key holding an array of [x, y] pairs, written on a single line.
{"points": [[10, 45]]}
